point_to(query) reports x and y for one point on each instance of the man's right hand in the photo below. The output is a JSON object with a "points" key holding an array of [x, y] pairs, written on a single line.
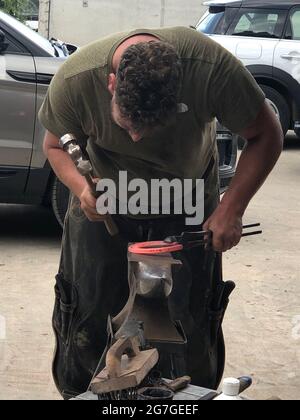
{"points": [[88, 206]]}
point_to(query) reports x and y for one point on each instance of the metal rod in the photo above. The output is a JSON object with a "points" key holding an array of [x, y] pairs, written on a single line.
{"points": [[251, 226], [258, 232]]}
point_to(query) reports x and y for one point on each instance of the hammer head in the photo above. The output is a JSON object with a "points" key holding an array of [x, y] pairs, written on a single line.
{"points": [[66, 140], [69, 144]]}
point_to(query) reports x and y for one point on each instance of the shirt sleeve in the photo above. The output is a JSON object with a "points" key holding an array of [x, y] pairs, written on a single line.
{"points": [[236, 97], [58, 113]]}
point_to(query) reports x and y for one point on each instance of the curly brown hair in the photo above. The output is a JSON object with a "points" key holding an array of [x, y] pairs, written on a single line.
{"points": [[148, 83]]}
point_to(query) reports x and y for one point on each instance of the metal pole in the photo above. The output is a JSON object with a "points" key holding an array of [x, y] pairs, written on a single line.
{"points": [[44, 17], [49, 15]]}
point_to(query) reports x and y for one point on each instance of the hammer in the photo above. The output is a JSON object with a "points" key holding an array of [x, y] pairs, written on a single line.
{"points": [[69, 144]]}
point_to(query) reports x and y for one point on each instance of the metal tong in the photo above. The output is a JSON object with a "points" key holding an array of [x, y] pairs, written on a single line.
{"points": [[194, 239]]}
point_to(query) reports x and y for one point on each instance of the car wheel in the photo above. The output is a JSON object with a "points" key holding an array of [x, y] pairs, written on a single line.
{"points": [[59, 200], [279, 105]]}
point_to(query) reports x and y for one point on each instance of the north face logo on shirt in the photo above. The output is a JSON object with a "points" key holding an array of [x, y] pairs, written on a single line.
{"points": [[182, 108]]}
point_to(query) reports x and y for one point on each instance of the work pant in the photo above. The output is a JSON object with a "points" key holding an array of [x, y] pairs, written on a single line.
{"points": [[93, 283]]}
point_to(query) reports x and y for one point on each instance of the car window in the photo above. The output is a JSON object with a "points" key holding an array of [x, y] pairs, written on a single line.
{"points": [[295, 25], [209, 23], [13, 46], [260, 23], [27, 33], [217, 23], [225, 22]]}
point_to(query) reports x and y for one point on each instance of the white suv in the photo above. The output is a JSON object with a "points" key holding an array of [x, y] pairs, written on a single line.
{"points": [[265, 36]]}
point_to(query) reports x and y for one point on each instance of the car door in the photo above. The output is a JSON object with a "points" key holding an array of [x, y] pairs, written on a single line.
{"points": [[287, 53], [17, 116]]}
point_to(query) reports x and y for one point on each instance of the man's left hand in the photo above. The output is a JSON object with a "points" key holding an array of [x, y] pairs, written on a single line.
{"points": [[226, 227]]}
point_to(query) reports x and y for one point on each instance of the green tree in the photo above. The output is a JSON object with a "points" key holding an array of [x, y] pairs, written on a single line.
{"points": [[16, 8]]}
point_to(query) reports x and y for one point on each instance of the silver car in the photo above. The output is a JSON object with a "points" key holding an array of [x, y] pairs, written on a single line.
{"points": [[27, 65]]}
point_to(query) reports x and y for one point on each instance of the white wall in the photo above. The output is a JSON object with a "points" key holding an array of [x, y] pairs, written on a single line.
{"points": [[72, 22]]}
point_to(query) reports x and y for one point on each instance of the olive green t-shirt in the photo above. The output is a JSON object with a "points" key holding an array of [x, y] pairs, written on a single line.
{"points": [[215, 85]]}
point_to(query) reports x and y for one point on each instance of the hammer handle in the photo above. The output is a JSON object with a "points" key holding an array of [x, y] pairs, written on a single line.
{"points": [[92, 185], [111, 227]]}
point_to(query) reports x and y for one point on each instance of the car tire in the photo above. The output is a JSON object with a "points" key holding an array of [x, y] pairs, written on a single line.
{"points": [[59, 200], [280, 106]]}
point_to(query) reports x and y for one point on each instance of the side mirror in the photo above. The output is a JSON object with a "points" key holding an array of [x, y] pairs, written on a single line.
{"points": [[3, 44], [71, 48]]}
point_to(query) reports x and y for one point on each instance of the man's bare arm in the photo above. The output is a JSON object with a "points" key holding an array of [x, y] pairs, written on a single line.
{"points": [[67, 173], [265, 141], [62, 165]]}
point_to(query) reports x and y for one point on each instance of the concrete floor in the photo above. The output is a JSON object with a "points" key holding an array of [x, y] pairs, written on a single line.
{"points": [[262, 325]]}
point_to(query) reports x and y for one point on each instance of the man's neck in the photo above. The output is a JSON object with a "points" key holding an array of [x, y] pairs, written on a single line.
{"points": [[136, 39]]}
